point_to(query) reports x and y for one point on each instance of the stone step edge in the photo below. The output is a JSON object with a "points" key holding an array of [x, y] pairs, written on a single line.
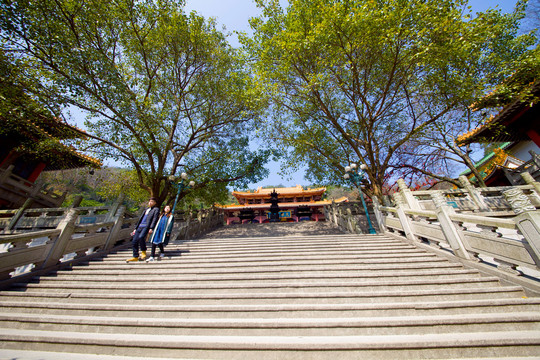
{"points": [[307, 244], [367, 237], [160, 264], [257, 285], [289, 250], [302, 295], [265, 323], [278, 275], [200, 261], [270, 343], [181, 262], [10, 354], [278, 307]]}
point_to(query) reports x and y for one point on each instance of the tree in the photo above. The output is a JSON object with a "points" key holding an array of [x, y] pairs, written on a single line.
{"points": [[164, 91], [102, 186], [356, 81], [436, 155]]}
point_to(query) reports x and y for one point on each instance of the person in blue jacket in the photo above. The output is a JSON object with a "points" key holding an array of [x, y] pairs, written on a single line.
{"points": [[146, 224], [162, 234]]}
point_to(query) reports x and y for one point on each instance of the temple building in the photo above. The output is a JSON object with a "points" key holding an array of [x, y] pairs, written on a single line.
{"points": [[30, 149], [294, 204], [516, 128]]}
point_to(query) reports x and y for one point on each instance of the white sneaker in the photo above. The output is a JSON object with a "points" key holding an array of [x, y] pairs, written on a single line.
{"points": [[162, 255], [150, 259]]}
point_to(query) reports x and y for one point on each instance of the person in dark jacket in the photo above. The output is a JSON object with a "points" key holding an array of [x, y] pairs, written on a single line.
{"points": [[146, 224]]}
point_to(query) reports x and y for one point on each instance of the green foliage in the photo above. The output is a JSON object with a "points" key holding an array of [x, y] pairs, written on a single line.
{"points": [[519, 86], [101, 187], [356, 80], [27, 124], [164, 91]]}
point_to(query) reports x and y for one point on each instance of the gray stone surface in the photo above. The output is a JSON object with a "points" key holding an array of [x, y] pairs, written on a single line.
{"points": [[270, 291]]}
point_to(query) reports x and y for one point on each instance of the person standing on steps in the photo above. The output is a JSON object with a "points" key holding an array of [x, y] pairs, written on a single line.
{"points": [[161, 235], [146, 224]]}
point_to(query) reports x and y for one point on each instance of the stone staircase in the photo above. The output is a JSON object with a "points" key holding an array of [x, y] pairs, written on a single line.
{"points": [[292, 296]]}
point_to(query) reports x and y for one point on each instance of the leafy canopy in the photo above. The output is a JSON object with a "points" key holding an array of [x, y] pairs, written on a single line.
{"points": [[164, 91], [355, 81]]}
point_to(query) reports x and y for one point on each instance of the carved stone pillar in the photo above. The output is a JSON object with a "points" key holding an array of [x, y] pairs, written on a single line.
{"points": [[450, 232], [408, 198], [403, 219], [529, 180], [527, 220], [474, 194], [378, 214], [67, 227]]}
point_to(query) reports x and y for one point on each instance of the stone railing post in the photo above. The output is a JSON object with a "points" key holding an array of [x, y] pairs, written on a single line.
{"points": [[378, 214], [111, 215], [118, 222], [409, 201], [5, 175], [67, 228], [76, 201], [474, 194], [527, 220], [15, 219], [335, 214], [351, 223], [529, 180], [450, 232], [398, 198]]}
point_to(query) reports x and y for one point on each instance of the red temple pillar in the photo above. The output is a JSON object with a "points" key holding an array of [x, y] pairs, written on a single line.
{"points": [[37, 170], [534, 136]]}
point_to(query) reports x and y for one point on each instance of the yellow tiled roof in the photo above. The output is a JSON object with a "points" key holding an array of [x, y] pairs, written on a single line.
{"points": [[282, 205], [286, 191]]}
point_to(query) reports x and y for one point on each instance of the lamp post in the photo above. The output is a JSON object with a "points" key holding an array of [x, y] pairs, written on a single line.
{"points": [[356, 177], [180, 186]]}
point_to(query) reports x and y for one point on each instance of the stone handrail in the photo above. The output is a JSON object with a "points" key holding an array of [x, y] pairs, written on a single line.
{"points": [[47, 218], [197, 224], [348, 217], [25, 188], [475, 232], [27, 254]]}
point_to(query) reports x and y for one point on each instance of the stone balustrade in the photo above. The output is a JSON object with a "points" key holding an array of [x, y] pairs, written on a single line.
{"points": [[16, 189], [498, 226], [41, 240], [349, 217], [196, 223]]}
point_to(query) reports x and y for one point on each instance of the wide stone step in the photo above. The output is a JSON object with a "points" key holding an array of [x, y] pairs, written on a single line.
{"points": [[395, 325], [174, 297], [187, 263], [296, 246], [283, 310], [495, 344], [367, 285], [180, 297], [332, 239], [171, 269], [269, 239], [306, 275]]}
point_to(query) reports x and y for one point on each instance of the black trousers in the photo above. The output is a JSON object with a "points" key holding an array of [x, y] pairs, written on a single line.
{"points": [[154, 249], [139, 240]]}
